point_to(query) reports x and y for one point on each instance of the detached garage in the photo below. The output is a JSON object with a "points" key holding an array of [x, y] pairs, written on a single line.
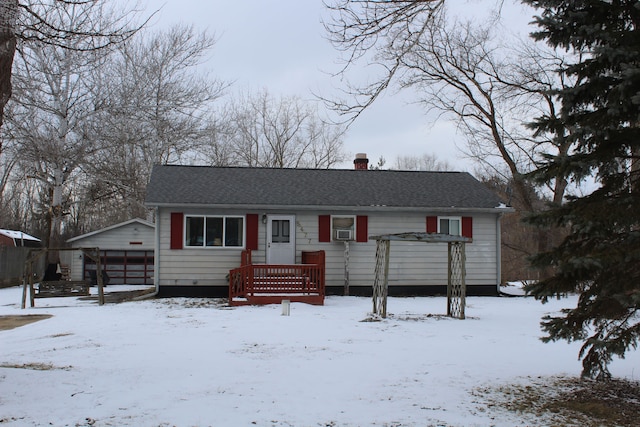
{"points": [[126, 253]]}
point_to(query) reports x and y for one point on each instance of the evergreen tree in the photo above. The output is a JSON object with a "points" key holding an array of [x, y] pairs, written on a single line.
{"points": [[600, 257]]}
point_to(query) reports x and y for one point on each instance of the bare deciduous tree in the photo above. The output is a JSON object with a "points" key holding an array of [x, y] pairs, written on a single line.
{"points": [[91, 124], [459, 70], [155, 107], [456, 69], [364, 31], [282, 133], [47, 122], [56, 40], [425, 162], [97, 25]]}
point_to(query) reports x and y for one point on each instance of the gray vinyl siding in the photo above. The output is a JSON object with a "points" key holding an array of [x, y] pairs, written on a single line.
{"points": [[411, 263], [193, 266]]}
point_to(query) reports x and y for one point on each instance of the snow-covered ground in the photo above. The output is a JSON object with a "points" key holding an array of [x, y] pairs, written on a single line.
{"points": [[194, 362]]}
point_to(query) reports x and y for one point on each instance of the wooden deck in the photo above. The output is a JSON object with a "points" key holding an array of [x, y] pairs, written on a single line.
{"points": [[257, 284]]}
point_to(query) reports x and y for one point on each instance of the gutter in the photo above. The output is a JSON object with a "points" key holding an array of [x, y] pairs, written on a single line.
{"points": [[328, 208], [156, 255]]}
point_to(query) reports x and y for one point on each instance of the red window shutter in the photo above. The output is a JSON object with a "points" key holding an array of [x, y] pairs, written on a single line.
{"points": [[432, 224], [177, 219], [362, 228], [252, 232], [467, 226], [324, 228]]}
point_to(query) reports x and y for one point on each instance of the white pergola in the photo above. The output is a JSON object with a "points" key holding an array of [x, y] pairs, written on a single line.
{"points": [[456, 286]]}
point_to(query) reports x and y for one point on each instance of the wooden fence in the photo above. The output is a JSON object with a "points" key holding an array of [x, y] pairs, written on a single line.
{"points": [[12, 263]]}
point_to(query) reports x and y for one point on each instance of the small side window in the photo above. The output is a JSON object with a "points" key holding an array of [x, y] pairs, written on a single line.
{"points": [[450, 225], [343, 227]]}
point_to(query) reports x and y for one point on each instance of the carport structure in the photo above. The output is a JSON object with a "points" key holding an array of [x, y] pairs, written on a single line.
{"points": [[456, 276]]}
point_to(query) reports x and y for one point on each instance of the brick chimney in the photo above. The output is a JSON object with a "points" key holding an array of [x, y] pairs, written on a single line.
{"points": [[361, 162]]}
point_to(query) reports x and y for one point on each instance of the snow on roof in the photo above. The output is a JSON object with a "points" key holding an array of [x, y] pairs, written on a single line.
{"points": [[13, 234]]}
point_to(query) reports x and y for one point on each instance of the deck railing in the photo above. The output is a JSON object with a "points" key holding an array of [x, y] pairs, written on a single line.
{"points": [[260, 280]]}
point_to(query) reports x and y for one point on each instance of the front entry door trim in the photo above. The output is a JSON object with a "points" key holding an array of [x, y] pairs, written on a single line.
{"points": [[281, 239]]}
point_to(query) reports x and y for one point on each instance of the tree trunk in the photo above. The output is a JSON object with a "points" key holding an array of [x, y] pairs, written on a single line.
{"points": [[8, 16], [55, 231]]}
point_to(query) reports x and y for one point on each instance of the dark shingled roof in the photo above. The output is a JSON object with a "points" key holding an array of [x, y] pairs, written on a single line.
{"points": [[229, 186]]}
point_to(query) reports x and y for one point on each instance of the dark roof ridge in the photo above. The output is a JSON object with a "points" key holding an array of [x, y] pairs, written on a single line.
{"points": [[309, 169]]}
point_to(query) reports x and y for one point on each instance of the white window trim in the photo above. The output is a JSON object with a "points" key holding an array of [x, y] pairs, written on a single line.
{"points": [[355, 225], [224, 217], [458, 218]]}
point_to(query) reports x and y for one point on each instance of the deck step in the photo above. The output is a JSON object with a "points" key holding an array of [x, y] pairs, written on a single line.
{"points": [[313, 299]]}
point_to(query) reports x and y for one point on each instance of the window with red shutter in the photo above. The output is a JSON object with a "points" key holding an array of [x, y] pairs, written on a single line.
{"points": [[432, 224], [467, 226], [324, 228], [451, 225], [362, 228], [252, 232]]}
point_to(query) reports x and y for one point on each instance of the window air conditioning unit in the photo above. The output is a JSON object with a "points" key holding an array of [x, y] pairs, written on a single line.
{"points": [[344, 235]]}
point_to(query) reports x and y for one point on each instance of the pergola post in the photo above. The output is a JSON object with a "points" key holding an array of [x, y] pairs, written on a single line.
{"points": [[381, 279], [456, 286], [346, 268]]}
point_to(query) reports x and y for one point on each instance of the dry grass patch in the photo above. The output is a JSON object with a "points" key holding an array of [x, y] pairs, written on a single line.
{"points": [[15, 321], [35, 366], [114, 296], [178, 302], [568, 401]]}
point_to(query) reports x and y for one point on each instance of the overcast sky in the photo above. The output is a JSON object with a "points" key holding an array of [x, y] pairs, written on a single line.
{"points": [[280, 45]]}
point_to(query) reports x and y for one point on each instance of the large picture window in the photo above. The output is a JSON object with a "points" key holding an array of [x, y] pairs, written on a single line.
{"points": [[214, 231]]}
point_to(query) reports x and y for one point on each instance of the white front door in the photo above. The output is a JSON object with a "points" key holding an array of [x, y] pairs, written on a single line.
{"points": [[281, 239]]}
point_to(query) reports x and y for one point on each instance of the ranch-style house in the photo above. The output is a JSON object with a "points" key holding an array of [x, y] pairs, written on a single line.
{"points": [[208, 217]]}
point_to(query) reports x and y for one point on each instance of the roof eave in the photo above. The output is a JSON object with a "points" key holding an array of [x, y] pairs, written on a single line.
{"points": [[112, 227], [316, 208]]}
